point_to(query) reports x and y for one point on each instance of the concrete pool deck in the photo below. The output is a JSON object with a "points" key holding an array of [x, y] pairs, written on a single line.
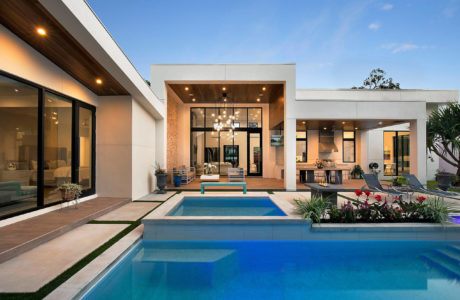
{"points": [[158, 225], [33, 269]]}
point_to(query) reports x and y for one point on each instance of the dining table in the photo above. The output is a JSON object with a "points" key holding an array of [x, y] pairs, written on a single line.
{"points": [[307, 174]]}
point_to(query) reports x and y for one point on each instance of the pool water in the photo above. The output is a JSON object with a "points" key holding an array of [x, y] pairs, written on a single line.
{"points": [[227, 207], [455, 219], [285, 270]]}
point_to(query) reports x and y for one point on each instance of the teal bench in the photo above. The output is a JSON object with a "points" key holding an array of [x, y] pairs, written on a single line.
{"points": [[243, 184]]}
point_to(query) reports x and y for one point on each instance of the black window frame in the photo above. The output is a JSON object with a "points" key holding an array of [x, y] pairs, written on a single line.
{"points": [[237, 129], [76, 104], [306, 144], [349, 140]]}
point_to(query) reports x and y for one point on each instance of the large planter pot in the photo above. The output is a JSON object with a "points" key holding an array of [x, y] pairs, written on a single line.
{"points": [[161, 182], [67, 195], [444, 181], [177, 180]]}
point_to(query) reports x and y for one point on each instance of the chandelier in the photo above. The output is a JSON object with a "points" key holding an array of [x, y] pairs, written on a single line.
{"points": [[224, 120]]}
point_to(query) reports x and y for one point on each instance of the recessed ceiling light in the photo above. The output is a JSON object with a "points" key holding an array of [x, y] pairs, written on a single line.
{"points": [[325, 128], [41, 31], [99, 81], [356, 128], [16, 90], [343, 123], [258, 99], [264, 88], [303, 122], [225, 99], [380, 123], [224, 88], [193, 99], [186, 88]]}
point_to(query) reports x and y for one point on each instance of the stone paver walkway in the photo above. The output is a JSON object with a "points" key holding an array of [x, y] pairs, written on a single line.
{"points": [[157, 197], [29, 271], [129, 212]]}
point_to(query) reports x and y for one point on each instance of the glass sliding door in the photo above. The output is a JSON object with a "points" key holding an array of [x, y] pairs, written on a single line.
{"points": [[396, 153], [57, 145], [197, 151], [403, 153], [240, 142], [18, 146], [85, 171], [255, 154]]}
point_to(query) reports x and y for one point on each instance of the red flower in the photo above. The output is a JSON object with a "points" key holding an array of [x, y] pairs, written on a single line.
{"points": [[367, 193], [378, 198], [420, 199], [358, 193]]}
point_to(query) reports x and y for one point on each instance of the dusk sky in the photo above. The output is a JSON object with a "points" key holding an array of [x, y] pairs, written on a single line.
{"points": [[335, 44]]}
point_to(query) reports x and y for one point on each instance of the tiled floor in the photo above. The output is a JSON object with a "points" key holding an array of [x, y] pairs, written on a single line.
{"points": [[52, 224], [33, 269], [129, 212]]}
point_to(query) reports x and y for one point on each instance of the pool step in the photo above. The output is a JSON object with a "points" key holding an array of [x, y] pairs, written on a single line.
{"points": [[187, 267], [444, 259]]}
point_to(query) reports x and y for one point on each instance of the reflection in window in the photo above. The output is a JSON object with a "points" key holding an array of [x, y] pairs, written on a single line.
{"points": [[18, 146], [197, 158], [197, 117], [301, 146], [396, 153], [58, 145], [349, 155], [86, 139], [254, 117]]}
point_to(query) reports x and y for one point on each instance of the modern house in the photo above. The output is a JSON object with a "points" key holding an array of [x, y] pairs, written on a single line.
{"points": [[74, 108]]}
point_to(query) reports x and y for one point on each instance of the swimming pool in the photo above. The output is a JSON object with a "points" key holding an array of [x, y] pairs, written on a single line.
{"points": [[284, 270], [227, 207]]}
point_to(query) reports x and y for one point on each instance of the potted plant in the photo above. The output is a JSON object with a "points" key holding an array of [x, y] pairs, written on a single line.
{"points": [[177, 179], [444, 179], [69, 191], [357, 172], [319, 164], [161, 176]]}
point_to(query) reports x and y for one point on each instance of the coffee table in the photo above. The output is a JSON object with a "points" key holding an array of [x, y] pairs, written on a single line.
{"points": [[209, 178]]}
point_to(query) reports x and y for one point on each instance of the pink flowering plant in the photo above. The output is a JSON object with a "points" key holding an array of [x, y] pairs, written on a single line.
{"points": [[381, 209]]}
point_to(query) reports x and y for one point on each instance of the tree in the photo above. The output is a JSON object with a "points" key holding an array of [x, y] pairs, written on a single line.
{"points": [[443, 134], [377, 80]]}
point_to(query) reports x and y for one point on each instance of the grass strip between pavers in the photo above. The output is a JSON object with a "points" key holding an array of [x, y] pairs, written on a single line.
{"points": [[63, 277]]}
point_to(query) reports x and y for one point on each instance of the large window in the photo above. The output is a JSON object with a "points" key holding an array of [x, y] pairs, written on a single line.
{"points": [[349, 147], [18, 146], [46, 139], [301, 146], [396, 153], [227, 148]]}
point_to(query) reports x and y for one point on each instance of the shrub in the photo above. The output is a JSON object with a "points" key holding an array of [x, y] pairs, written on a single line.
{"points": [[313, 210], [435, 210]]}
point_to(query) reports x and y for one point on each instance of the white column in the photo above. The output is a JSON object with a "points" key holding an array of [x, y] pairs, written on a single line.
{"points": [[418, 148], [289, 154], [364, 159]]}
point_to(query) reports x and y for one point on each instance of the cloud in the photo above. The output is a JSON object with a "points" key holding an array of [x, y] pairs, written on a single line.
{"points": [[387, 6], [402, 47], [374, 26]]}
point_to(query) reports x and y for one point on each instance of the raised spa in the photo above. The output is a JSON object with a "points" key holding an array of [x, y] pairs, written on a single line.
{"points": [[227, 207]]}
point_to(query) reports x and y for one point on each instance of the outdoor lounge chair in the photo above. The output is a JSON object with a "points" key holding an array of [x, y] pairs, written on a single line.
{"points": [[416, 186], [374, 185]]}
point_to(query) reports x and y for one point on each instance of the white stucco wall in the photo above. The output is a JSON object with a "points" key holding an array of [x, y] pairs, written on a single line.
{"points": [[114, 147], [20, 59], [143, 151]]}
